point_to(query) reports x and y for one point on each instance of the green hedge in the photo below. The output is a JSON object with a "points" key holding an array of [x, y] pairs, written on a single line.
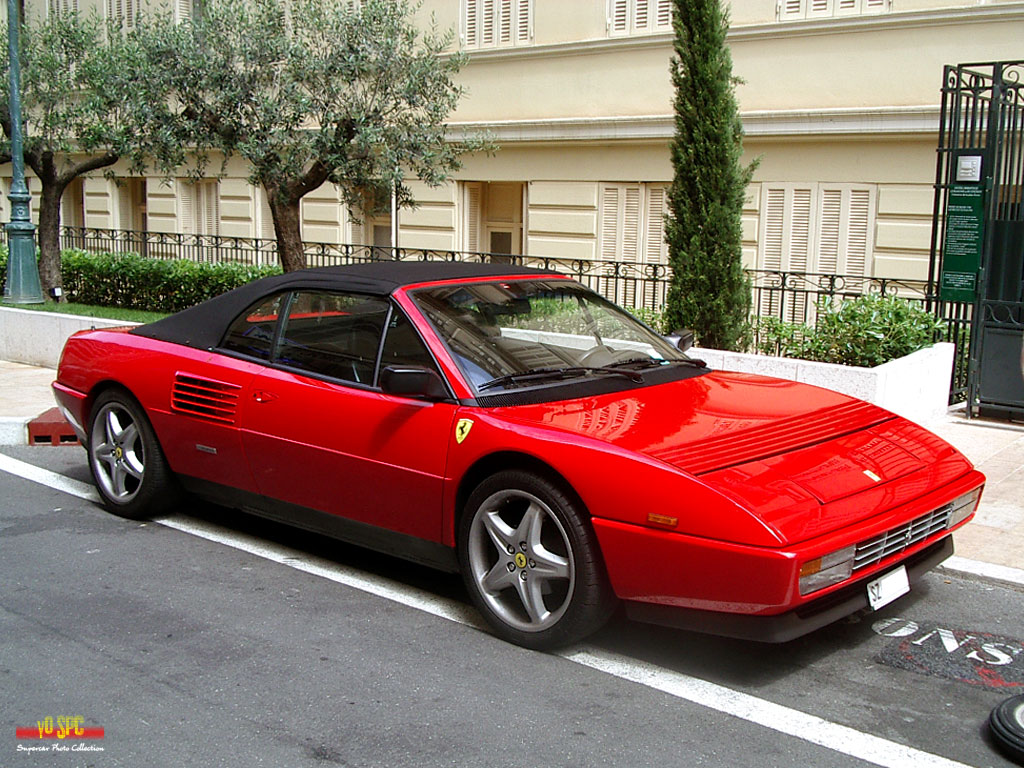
{"points": [[865, 331], [133, 282]]}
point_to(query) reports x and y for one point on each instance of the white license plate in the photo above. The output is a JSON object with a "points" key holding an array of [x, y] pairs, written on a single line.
{"points": [[887, 588]]}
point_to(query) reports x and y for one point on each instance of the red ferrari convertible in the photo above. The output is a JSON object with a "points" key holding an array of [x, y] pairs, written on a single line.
{"points": [[510, 424]]}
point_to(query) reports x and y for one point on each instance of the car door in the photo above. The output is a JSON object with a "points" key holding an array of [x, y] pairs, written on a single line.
{"points": [[318, 432]]}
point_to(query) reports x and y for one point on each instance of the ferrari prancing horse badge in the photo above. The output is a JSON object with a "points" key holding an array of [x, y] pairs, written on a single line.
{"points": [[462, 430]]}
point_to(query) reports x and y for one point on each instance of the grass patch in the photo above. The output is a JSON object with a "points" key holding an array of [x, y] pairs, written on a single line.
{"points": [[91, 310]]}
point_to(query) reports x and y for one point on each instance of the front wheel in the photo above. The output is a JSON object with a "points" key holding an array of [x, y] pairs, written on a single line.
{"points": [[531, 563], [127, 464]]}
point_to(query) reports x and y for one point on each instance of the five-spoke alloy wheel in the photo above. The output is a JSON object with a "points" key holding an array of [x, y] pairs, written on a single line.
{"points": [[530, 561], [126, 461]]}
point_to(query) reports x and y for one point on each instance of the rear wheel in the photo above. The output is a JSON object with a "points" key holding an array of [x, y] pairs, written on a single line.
{"points": [[127, 463], [531, 563]]}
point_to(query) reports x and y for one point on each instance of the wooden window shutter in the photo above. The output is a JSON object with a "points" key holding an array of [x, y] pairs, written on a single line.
{"points": [[208, 208], [631, 225], [610, 200], [641, 19], [487, 22], [187, 207], [62, 7], [830, 231], [875, 6], [859, 231], [524, 22], [786, 242], [618, 16], [471, 233], [845, 224], [791, 9], [471, 37], [664, 18], [504, 22], [817, 8], [620, 229], [358, 228], [124, 207], [182, 10], [655, 247]]}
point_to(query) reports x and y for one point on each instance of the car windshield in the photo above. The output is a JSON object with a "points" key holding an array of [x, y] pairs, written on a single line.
{"points": [[511, 334]]}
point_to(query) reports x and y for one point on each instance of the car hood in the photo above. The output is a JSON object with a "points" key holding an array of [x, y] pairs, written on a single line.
{"points": [[790, 453]]}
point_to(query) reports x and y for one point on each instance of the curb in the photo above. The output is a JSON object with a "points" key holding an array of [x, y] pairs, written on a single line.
{"points": [[13, 430], [1002, 575]]}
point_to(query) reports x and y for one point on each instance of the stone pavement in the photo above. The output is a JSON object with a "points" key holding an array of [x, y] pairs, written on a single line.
{"points": [[995, 537]]}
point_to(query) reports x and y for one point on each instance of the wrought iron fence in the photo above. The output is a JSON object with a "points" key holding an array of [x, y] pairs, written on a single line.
{"points": [[791, 296]]}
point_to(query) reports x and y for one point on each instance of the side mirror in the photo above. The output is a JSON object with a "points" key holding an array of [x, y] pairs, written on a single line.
{"points": [[413, 381], [682, 339]]}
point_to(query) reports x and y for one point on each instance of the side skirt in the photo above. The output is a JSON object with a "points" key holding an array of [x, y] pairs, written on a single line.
{"points": [[401, 545]]}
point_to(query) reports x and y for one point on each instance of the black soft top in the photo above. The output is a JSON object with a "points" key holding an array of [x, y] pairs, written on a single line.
{"points": [[203, 325]]}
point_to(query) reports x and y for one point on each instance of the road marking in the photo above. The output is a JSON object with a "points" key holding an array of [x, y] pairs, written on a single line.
{"points": [[50, 479], [782, 719]]}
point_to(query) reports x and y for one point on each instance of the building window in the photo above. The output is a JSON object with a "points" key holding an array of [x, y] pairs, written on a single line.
{"points": [[124, 12], [496, 23], [62, 7], [199, 207], [492, 218], [187, 9], [628, 17], [788, 10], [632, 232], [815, 228]]}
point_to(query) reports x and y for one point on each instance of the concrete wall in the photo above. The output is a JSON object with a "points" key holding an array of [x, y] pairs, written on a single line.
{"points": [[37, 338], [915, 386]]}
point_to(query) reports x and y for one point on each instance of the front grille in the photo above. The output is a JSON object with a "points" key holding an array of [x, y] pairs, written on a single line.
{"points": [[894, 541]]}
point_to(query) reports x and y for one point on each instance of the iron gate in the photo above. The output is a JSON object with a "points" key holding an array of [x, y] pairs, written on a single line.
{"points": [[977, 259]]}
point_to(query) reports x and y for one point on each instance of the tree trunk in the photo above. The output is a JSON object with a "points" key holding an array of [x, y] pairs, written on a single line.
{"points": [[287, 230], [49, 238]]}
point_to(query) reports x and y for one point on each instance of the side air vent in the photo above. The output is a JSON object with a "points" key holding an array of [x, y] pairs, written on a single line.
{"points": [[204, 398]]}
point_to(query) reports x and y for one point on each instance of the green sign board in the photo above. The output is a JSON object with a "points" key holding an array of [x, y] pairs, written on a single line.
{"points": [[965, 233]]}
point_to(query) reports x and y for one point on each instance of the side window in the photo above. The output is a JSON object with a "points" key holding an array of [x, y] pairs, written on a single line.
{"points": [[403, 346], [252, 332], [333, 334]]}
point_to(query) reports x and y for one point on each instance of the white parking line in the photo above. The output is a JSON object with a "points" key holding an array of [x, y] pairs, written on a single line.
{"points": [[816, 730]]}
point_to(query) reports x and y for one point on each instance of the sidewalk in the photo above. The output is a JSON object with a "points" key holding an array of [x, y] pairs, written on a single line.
{"points": [[994, 537]]}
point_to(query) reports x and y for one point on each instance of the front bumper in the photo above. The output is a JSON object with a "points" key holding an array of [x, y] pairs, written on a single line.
{"points": [[780, 628]]}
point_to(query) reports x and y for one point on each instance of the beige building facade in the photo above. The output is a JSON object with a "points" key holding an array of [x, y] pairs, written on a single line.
{"points": [[839, 100]]}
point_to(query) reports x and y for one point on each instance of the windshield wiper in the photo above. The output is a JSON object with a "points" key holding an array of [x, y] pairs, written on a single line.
{"points": [[653, 362], [540, 374]]}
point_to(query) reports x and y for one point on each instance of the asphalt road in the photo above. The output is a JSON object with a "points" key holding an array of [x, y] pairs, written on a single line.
{"points": [[215, 639]]}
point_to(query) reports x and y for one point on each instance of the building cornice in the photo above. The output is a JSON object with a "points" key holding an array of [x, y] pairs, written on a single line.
{"points": [[756, 124], [833, 25]]}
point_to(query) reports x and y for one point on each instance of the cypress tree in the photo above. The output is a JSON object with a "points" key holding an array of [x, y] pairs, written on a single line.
{"points": [[709, 291]]}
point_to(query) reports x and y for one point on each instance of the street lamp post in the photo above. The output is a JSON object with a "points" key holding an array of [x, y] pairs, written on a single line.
{"points": [[22, 269]]}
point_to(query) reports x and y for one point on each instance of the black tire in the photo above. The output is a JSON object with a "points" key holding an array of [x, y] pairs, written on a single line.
{"points": [[531, 562], [1007, 725], [127, 463]]}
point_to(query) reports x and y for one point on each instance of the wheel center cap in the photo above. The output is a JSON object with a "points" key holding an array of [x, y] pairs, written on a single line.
{"points": [[118, 452], [520, 559]]}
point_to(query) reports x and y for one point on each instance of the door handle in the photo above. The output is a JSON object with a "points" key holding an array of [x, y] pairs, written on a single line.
{"points": [[262, 396]]}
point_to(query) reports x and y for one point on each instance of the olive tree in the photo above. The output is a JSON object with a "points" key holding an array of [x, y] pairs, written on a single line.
{"points": [[75, 115], [308, 92]]}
